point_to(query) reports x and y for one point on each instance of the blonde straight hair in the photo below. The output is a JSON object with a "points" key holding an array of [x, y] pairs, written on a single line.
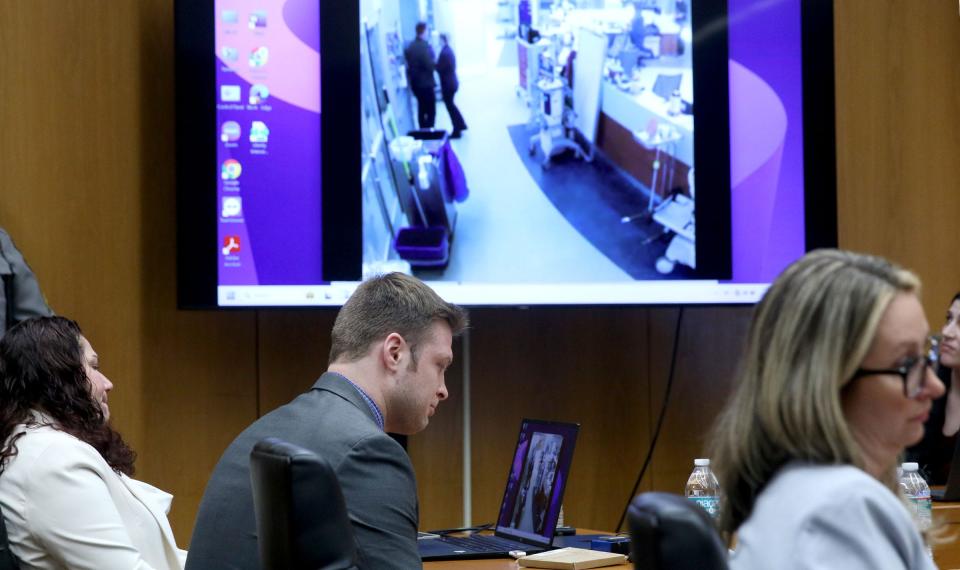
{"points": [[808, 335]]}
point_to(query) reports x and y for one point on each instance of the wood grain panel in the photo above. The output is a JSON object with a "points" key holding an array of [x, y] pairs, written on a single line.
{"points": [[947, 555], [588, 365], [898, 112], [293, 347], [65, 185], [710, 342], [200, 387]]}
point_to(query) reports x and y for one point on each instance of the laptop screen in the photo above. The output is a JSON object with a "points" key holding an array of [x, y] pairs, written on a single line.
{"points": [[537, 478]]}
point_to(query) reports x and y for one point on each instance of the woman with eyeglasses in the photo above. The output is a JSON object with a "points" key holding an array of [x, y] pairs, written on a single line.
{"points": [[835, 382], [67, 497], [935, 453]]}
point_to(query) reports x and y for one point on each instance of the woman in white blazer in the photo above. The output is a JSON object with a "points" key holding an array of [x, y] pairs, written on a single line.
{"points": [[67, 497]]}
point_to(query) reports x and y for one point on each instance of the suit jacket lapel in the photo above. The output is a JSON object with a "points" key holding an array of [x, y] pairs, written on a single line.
{"points": [[339, 385], [158, 503]]}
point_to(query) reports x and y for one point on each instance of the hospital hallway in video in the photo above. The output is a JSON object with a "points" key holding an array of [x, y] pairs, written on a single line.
{"points": [[508, 226], [577, 216], [554, 222]]}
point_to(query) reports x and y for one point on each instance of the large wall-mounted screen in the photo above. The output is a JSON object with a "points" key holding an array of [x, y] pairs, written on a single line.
{"points": [[625, 152]]}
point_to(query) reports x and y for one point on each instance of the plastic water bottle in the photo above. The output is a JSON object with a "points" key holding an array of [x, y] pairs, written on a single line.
{"points": [[917, 491], [704, 489]]}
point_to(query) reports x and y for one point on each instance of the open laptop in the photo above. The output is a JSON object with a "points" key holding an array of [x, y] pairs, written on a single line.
{"points": [[531, 500]]}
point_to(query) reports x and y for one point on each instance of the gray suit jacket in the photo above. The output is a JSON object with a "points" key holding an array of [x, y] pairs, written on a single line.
{"points": [[374, 471], [20, 296]]}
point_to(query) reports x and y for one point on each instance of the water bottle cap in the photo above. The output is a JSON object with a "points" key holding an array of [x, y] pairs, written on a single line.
{"points": [[910, 466], [701, 462]]}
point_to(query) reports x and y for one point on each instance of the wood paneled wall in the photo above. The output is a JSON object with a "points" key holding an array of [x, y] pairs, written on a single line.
{"points": [[87, 190], [898, 137]]}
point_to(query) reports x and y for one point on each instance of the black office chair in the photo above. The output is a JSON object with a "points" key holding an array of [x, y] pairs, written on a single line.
{"points": [[671, 532], [7, 560], [302, 518]]}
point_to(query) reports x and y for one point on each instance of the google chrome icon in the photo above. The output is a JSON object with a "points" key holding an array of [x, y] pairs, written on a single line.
{"points": [[230, 169]]}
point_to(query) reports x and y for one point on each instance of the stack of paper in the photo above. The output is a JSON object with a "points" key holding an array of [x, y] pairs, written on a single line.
{"points": [[572, 559]]}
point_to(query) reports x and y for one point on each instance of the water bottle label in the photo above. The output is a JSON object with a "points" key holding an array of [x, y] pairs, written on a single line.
{"points": [[709, 504], [922, 510]]}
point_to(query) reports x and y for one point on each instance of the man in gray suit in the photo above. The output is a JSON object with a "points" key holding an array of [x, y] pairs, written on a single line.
{"points": [[391, 343]]}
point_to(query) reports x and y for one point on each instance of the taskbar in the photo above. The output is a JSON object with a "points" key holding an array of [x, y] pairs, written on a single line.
{"points": [[509, 294]]}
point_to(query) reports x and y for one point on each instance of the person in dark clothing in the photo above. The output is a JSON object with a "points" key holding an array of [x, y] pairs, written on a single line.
{"points": [[447, 69], [390, 346], [420, 67], [20, 295], [935, 451]]}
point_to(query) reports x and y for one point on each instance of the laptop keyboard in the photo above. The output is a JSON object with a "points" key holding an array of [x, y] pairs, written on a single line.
{"points": [[484, 544]]}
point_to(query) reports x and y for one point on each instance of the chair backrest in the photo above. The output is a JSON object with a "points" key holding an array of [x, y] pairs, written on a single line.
{"points": [[671, 532], [7, 560], [301, 516]]}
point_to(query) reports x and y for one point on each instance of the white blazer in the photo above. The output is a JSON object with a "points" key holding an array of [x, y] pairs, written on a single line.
{"points": [[64, 507]]}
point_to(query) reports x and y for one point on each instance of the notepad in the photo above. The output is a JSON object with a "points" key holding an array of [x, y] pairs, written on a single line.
{"points": [[572, 559]]}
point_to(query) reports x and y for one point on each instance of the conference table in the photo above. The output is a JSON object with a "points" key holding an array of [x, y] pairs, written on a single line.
{"points": [[502, 563], [946, 556]]}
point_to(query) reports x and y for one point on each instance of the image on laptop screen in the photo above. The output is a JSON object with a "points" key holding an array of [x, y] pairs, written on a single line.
{"points": [[537, 478]]}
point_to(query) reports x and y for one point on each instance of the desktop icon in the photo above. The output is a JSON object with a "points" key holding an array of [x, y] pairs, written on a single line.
{"points": [[230, 93], [259, 56], [232, 207], [229, 54], [230, 131], [229, 16], [258, 19], [231, 245], [259, 94], [259, 133], [230, 169]]}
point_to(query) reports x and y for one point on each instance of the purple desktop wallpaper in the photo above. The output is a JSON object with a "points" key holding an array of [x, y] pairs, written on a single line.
{"points": [[766, 138], [269, 188], [268, 129]]}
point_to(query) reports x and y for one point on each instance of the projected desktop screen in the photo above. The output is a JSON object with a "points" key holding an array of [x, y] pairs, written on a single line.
{"points": [[534, 223], [269, 146]]}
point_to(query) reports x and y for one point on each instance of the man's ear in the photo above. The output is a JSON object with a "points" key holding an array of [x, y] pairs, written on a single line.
{"points": [[392, 351]]}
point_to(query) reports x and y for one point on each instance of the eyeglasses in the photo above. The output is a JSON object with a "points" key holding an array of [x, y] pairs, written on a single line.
{"points": [[913, 371]]}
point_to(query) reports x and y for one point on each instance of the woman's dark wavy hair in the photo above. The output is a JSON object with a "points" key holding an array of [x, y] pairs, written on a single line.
{"points": [[41, 369]]}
